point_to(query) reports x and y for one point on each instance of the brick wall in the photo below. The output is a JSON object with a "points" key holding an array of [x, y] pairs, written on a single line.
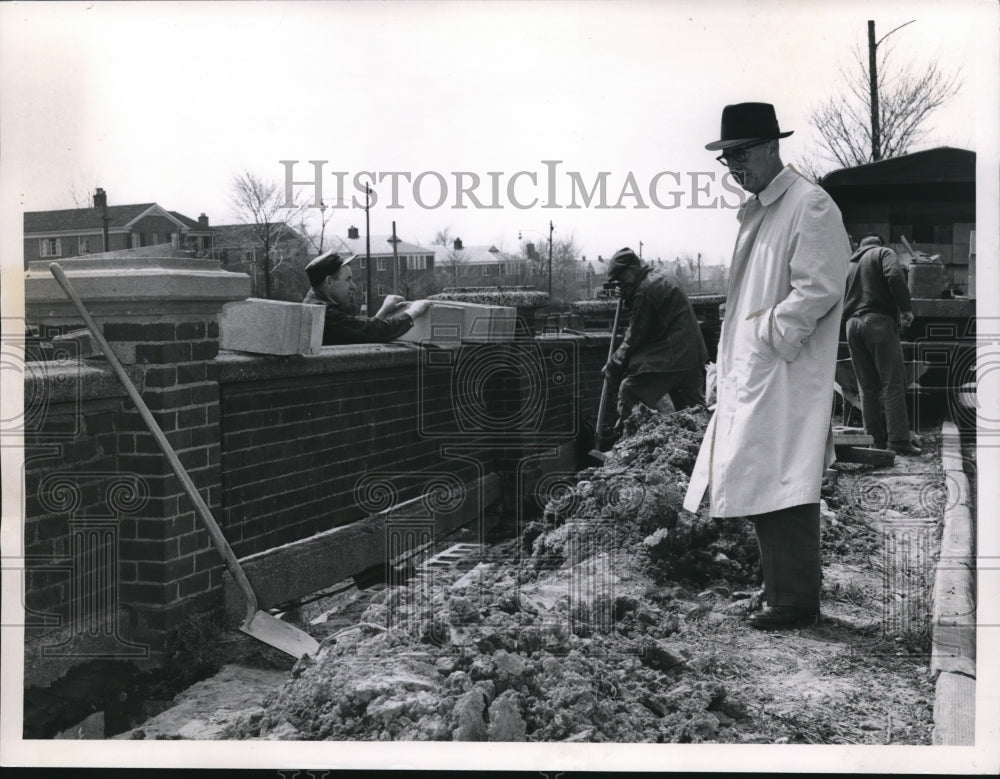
{"points": [[279, 448], [296, 449], [91, 463], [70, 463]]}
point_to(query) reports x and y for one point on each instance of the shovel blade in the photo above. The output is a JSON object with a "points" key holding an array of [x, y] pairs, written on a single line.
{"points": [[280, 635], [599, 456]]}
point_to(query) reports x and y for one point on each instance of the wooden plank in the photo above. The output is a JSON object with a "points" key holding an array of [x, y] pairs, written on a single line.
{"points": [[302, 567]]}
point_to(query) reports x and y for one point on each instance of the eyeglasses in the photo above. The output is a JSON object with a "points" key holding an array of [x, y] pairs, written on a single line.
{"points": [[738, 155]]}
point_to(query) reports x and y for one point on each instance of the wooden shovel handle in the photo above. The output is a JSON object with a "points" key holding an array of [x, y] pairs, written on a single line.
{"points": [[221, 545], [602, 408]]}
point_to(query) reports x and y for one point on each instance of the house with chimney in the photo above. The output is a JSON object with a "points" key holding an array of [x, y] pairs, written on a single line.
{"points": [[481, 265], [72, 232]]}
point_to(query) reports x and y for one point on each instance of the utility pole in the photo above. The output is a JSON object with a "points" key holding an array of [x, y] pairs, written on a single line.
{"points": [[395, 259], [551, 228], [369, 306], [699, 271], [873, 89], [873, 85], [640, 250]]}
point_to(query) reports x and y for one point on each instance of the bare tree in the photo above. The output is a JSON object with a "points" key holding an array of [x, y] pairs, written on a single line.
{"points": [[259, 204], [908, 95], [80, 193], [569, 274], [313, 226]]}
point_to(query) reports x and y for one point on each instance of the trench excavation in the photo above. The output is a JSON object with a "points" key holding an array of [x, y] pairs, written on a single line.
{"points": [[564, 632], [611, 616]]}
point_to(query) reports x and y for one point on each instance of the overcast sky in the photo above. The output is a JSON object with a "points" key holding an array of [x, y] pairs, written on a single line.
{"points": [[166, 101]]}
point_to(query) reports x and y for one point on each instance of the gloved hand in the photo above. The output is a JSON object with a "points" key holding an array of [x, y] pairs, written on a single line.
{"points": [[613, 372], [906, 319]]}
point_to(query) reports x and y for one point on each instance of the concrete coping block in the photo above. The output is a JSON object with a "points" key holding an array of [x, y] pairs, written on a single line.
{"points": [[449, 322], [955, 663], [271, 327], [238, 367], [442, 325], [955, 711], [952, 462], [80, 340], [72, 381], [958, 526], [119, 287]]}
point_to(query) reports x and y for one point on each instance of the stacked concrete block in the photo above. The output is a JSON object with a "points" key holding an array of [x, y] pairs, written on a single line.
{"points": [[451, 322], [271, 327], [442, 325], [488, 323]]}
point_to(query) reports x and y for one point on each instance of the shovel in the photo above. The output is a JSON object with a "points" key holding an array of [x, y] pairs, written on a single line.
{"points": [[602, 408], [257, 623]]}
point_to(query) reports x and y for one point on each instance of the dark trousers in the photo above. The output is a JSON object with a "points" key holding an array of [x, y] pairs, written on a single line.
{"points": [[878, 364], [685, 388], [789, 555]]}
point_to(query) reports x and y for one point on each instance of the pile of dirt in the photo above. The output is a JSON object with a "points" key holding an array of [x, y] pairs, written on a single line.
{"points": [[633, 502], [618, 617], [568, 633]]}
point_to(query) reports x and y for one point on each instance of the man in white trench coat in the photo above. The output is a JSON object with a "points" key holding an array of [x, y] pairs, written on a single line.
{"points": [[769, 441]]}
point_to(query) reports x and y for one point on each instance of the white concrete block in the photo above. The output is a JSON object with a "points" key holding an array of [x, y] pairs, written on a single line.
{"points": [[449, 322], [487, 323], [442, 325], [271, 327]]}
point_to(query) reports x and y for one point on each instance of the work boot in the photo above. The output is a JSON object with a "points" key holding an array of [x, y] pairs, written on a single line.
{"points": [[778, 617], [905, 449]]}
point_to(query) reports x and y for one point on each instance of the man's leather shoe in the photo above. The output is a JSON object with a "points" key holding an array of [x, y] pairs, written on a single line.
{"points": [[777, 617], [906, 449]]}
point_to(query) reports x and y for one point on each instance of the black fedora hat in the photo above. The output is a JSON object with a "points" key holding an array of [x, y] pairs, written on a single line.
{"points": [[746, 122]]}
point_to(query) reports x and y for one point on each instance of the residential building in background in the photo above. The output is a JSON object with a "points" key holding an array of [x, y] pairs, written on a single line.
{"points": [[484, 265], [73, 232], [413, 277]]}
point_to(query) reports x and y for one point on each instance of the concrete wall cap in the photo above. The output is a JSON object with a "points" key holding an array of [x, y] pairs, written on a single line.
{"points": [[236, 367], [132, 287]]}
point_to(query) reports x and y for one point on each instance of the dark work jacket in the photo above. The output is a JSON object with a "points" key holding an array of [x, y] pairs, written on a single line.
{"points": [[875, 284], [663, 335], [342, 327]]}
